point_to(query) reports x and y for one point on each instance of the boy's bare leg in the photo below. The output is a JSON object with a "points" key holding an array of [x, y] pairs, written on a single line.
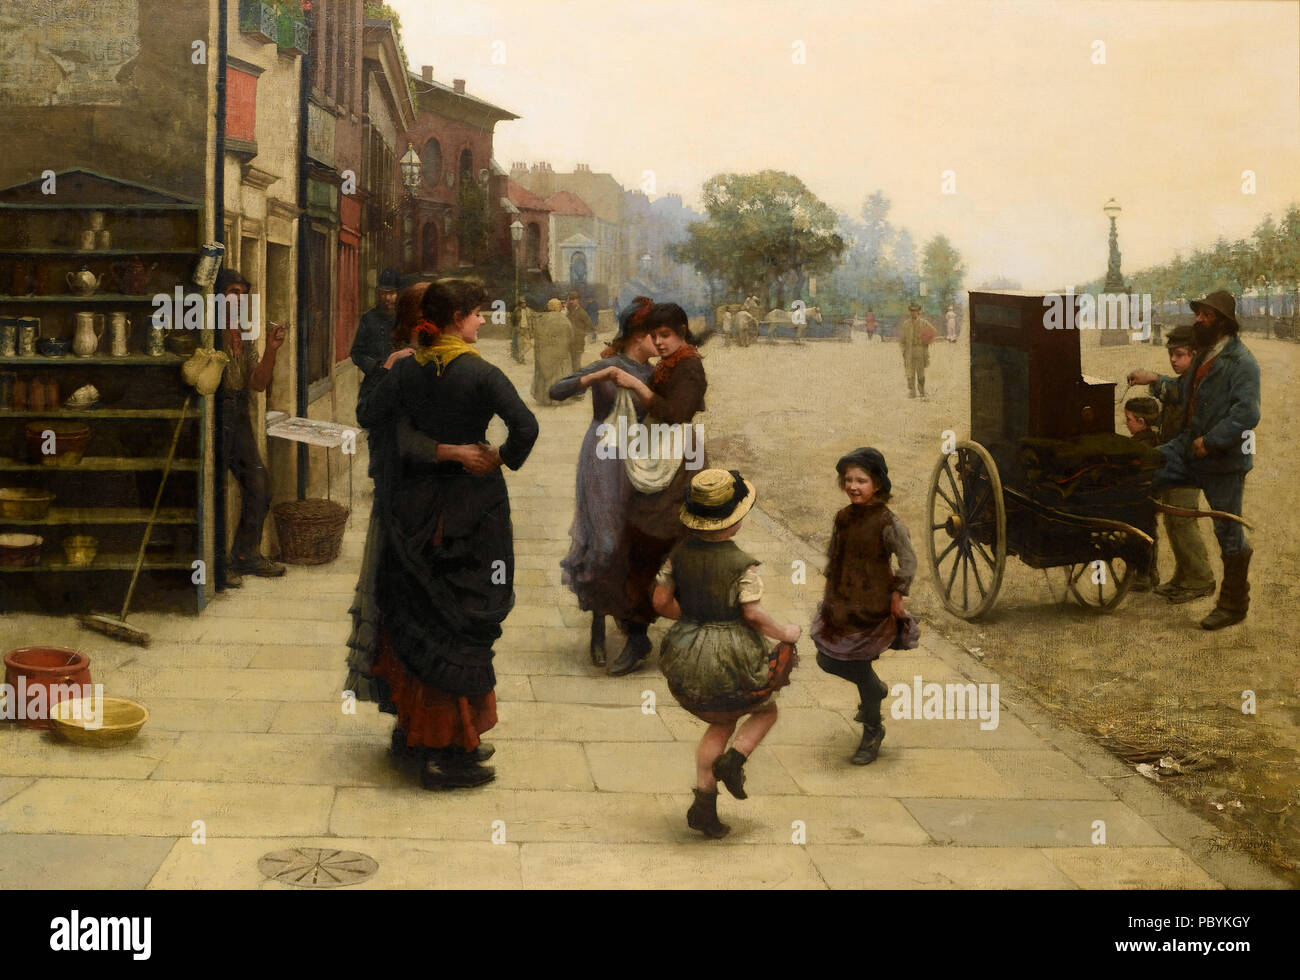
{"points": [[712, 745]]}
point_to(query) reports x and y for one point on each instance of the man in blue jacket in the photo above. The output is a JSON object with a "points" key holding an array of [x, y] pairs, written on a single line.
{"points": [[1215, 449]]}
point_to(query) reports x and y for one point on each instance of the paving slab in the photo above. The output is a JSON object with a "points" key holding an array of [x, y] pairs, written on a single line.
{"points": [[31, 752], [881, 867], [669, 767], [86, 863], [580, 723], [155, 808], [519, 815], [898, 772], [1038, 823], [786, 820], [1130, 867], [703, 864]]}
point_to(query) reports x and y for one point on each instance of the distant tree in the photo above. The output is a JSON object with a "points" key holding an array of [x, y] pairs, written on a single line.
{"points": [[765, 229], [942, 270], [905, 263]]}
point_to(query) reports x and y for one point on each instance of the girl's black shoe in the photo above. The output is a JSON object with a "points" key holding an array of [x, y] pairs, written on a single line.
{"points": [[703, 816], [728, 769], [869, 747]]}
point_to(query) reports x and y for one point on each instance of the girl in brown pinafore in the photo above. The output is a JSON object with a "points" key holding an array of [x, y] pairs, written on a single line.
{"points": [[862, 614]]}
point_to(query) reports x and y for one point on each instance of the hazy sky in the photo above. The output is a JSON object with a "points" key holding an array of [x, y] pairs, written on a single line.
{"points": [[892, 94]]}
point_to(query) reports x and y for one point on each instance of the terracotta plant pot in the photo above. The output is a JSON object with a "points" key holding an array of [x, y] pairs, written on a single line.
{"points": [[51, 668], [70, 439]]}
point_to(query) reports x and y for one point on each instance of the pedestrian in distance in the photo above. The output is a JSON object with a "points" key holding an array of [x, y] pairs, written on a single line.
{"points": [[951, 318], [915, 338], [1193, 578], [862, 613], [714, 656]]}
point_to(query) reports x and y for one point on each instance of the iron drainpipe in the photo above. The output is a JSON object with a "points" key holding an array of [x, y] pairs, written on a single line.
{"points": [[219, 233], [304, 273]]}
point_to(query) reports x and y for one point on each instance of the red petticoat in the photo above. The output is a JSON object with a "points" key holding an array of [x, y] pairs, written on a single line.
{"points": [[431, 717]]}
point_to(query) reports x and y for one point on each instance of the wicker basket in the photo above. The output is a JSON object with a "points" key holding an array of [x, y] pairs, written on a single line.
{"points": [[311, 531]]}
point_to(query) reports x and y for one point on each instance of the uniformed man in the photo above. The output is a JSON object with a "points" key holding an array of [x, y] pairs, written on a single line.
{"points": [[374, 340]]}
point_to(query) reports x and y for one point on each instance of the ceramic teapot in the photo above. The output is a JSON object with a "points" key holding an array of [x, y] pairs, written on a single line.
{"points": [[83, 283], [133, 277]]}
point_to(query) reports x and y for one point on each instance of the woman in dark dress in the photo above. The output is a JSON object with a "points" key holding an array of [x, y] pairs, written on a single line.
{"points": [[674, 395], [363, 644], [596, 565], [447, 580]]}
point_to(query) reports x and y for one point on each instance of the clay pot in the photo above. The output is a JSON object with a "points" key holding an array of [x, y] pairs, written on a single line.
{"points": [[48, 667]]}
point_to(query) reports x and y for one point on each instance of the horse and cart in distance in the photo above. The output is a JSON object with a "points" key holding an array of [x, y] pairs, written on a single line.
{"points": [[1044, 476]]}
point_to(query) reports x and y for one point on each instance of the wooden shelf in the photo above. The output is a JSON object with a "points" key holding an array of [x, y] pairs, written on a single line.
{"points": [[99, 253], [107, 515], [110, 562], [101, 464], [137, 359], [98, 413], [111, 208], [118, 298]]}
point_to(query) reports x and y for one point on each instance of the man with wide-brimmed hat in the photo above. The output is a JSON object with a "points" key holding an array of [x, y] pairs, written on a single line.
{"points": [[1215, 449], [374, 340], [912, 338]]}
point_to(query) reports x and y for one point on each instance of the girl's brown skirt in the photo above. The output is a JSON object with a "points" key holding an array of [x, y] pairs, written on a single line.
{"points": [[432, 718]]}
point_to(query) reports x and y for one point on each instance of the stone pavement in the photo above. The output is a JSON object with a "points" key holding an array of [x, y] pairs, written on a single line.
{"points": [[247, 734]]}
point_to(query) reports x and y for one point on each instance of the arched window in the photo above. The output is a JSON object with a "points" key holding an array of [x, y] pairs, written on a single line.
{"points": [[578, 268], [466, 166], [534, 252], [429, 247], [431, 162]]}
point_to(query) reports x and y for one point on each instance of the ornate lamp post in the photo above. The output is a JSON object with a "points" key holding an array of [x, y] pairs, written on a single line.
{"points": [[1114, 280], [517, 237], [412, 174]]}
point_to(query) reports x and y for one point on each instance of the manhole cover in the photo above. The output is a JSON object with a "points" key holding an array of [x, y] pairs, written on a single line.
{"points": [[317, 867]]}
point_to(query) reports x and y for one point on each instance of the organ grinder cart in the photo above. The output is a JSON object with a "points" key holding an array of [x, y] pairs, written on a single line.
{"points": [[1044, 476]]}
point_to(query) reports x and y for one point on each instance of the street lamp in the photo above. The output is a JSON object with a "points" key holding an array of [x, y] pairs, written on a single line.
{"points": [[411, 169], [516, 236], [1114, 279], [412, 172]]}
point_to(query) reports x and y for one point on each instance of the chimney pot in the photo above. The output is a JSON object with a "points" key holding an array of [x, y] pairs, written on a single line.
{"points": [[427, 73], [459, 85]]}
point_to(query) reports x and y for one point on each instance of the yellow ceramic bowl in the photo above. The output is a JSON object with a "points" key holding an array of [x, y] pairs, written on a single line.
{"points": [[119, 720]]}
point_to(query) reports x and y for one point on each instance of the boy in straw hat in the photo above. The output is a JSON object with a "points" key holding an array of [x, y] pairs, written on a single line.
{"points": [[714, 658]]}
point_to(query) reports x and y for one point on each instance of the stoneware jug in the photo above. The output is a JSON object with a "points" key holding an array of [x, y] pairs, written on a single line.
{"points": [[86, 339], [119, 331]]}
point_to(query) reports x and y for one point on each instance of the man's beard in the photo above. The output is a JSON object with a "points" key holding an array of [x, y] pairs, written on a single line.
{"points": [[1205, 334]]}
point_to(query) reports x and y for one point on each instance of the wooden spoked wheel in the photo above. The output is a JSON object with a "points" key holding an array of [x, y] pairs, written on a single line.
{"points": [[1099, 584], [967, 540]]}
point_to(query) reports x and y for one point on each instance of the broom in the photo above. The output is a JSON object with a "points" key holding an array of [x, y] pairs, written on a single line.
{"points": [[118, 628]]}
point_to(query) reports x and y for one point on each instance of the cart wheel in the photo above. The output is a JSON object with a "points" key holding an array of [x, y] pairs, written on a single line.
{"points": [[1116, 577], [968, 530]]}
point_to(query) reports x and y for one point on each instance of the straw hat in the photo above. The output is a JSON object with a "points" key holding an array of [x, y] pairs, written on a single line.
{"points": [[717, 499]]}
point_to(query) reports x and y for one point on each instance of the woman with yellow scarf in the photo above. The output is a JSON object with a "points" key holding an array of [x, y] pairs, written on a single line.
{"points": [[447, 584]]}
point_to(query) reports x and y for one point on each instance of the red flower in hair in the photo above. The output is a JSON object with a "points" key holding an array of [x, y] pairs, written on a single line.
{"points": [[426, 328], [644, 303]]}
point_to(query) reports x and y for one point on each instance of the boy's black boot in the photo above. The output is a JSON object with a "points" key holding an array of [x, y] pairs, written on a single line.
{"points": [[729, 770], [703, 816], [869, 747]]}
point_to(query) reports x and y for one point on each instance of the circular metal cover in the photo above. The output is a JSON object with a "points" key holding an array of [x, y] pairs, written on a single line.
{"points": [[317, 867]]}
